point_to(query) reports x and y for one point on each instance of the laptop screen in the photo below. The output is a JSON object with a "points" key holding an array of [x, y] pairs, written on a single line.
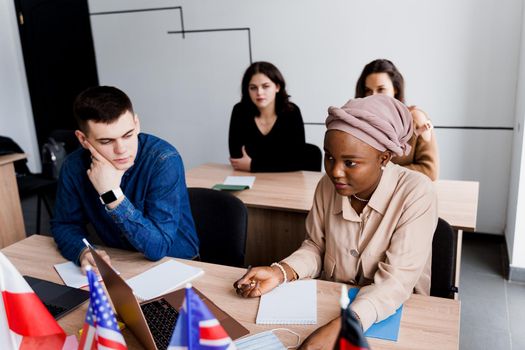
{"points": [[57, 298]]}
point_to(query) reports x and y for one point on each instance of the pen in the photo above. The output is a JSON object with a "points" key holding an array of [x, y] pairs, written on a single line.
{"points": [[87, 243], [252, 282]]}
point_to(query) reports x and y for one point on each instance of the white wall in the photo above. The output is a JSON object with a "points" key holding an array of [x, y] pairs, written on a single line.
{"points": [[459, 58], [16, 116], [460, 61], [515, 230]]}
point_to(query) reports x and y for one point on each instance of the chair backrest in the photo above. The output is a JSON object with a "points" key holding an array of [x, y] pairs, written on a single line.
{"points": [[221, 220], [312, 158], [444, 247], [67, 137]]}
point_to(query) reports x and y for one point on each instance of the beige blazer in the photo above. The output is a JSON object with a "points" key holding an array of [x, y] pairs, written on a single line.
{"points": [[386, 250]]}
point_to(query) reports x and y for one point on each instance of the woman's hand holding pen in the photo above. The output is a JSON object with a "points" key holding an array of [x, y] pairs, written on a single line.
{"points": [[257, 281]]}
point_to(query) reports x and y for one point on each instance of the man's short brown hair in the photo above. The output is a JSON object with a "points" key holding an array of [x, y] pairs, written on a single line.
{"points": [[101, 104]]}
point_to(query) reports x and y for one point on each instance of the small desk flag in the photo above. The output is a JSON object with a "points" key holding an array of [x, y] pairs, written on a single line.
{"points": [[197, 328], [25, 323], [351, 336], [100, 329]]}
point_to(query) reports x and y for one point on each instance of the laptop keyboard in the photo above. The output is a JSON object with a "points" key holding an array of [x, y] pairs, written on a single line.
{"points": [[161, 318]]}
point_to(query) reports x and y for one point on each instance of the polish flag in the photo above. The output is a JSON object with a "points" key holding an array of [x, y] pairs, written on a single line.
{"points": [[25, 323]]}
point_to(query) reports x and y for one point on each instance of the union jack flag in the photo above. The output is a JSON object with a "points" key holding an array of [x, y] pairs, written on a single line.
{"points": [[197, 328], [100, 329]]}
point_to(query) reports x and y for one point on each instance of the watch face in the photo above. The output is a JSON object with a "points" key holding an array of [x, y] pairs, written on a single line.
{"points": [[108, 197]]}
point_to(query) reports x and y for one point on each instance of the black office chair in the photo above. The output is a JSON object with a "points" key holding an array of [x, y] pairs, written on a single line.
{"points": [[444, 248], [30, 184], [221, 220], [312, 158]]}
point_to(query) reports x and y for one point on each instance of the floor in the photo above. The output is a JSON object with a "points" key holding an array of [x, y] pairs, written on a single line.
{"points": [[492, 308]]}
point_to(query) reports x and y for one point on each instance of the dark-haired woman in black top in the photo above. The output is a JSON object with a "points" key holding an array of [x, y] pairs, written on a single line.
{"points": [[266, 129]]}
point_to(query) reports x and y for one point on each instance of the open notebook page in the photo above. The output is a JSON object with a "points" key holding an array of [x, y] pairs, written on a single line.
{"points": [[290, 303]]}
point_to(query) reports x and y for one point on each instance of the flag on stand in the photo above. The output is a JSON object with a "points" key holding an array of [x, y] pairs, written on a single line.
{"points": [[100, 329], [25, 323], [351, 336], [197, 328]]}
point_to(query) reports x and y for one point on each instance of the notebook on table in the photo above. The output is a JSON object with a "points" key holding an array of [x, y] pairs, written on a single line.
{"points": [[387, 329], [71, 274], [153, 321], [235, 183], [290, 303], [57, 298], [162, 279]]}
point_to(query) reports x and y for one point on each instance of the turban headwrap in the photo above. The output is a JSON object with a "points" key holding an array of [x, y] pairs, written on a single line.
{"points": [[378, 120]]}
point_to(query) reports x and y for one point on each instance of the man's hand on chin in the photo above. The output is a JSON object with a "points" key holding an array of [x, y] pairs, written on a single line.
{"points": [[102, 174]]}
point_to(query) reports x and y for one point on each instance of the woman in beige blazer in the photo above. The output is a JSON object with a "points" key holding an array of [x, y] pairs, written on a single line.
{"points": [[371, 223]]}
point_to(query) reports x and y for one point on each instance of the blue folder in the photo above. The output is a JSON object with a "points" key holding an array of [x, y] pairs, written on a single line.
{"points": [[388, 328]]}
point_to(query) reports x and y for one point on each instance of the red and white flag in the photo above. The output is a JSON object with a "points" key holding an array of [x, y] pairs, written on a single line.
{"points": [[25, 323], [100, 330]]}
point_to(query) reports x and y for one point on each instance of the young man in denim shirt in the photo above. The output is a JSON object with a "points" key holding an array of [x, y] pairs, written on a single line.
{"points": [[128, 185]]}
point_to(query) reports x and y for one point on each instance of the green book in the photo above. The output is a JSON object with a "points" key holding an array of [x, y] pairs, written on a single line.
{"points": [[223, 187], [235, 183]]}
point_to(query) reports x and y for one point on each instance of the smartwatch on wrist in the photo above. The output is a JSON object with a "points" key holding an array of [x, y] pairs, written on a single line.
{"points": [[111, 196]]}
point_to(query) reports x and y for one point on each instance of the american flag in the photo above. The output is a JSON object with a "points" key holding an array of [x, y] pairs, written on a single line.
{"points": [[197, 328], [100, 329]]}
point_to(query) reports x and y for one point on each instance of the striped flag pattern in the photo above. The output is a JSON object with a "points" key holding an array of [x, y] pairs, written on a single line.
{"points": [[100, 329], [197, 328], [25, 323]]}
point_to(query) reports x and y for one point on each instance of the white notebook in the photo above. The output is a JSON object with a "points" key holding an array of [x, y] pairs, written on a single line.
{"points": [[239, 181], [290, 303], [162, 278], [72, 275]]}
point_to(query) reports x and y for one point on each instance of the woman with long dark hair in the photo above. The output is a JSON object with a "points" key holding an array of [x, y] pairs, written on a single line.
{"points": [[382, 77], [266, 129]]}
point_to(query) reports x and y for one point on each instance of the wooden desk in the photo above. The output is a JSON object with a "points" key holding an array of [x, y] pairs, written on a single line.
{"points": [[279, 202], [277, 207], [12, 227], [427, 322], [458, 205]]}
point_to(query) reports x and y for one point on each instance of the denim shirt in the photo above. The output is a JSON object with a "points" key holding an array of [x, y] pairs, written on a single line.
{"points": [[154, 218]]}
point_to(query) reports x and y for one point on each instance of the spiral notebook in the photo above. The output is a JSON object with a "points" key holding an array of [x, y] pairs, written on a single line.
{"points": [[290, 303]]}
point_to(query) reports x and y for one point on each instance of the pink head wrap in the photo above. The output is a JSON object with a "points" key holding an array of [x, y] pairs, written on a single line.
{"points": [[378, 120]]}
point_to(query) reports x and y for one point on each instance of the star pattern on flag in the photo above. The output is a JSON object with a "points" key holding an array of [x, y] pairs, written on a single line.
{"points": [[101, 311], [100, 327]]}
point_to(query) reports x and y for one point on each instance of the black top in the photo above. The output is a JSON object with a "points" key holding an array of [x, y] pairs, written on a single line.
{"points": [[279, 150]]}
